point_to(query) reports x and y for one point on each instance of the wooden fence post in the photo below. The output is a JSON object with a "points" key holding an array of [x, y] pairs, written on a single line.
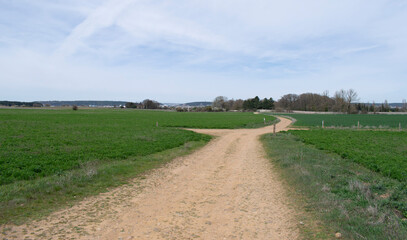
{"points": [[156, 124], [322, 123], [358, 125], [399, 126]]}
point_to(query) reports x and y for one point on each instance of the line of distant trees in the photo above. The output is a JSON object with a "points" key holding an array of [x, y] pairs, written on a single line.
{"points": [[20, 104], [342, 101], [345, 101], [223, 103], [146, 104]]}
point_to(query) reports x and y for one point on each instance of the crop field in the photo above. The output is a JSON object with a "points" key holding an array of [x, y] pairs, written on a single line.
{"points": [[380, 151], [38, 143], [350, 120], [225, 120], [60, 152]]}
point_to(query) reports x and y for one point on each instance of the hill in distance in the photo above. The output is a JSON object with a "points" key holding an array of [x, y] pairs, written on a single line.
{"points": [[83, 103], [93, 103], [198, 104]]}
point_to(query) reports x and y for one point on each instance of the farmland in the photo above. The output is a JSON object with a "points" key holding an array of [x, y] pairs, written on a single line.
{"points": [[354, 180], [341, 194], [349, 120], [380, 151], [39, 143], [64, 154]]}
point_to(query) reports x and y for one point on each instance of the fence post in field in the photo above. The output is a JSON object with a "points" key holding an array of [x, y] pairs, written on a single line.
{"points": [[274, 129], [264, 119], [358, 125], [322, 123], [399, 126], [156, 124]]}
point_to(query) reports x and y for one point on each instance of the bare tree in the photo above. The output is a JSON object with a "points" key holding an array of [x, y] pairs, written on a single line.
{"points": [[328, 102], [350, 96], [288, 102], [314, 102], [385, 106], [236, 104], [150, 104], [220, 102], [404, 106], [340, 101]]}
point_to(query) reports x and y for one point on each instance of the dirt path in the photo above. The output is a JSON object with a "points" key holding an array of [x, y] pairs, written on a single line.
{"points": [[226, 190]]}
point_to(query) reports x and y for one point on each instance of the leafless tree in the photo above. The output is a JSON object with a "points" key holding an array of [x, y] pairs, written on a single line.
{"points": [[385, 106], [314, 102], [220, 102], [340, 102], [235, 104], [150, 104], [327, 101], [351, 96], [288, 102]]}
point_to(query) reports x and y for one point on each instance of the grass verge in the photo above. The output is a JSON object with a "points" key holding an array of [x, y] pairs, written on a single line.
{"points": [[340, 194], [26, 200]]}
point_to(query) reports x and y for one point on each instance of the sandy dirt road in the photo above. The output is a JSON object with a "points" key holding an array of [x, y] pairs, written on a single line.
{"points": [[226, 190]]}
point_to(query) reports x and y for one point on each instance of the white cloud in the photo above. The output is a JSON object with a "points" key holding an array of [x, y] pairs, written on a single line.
{"points": [[184, 47], [104, 16]]}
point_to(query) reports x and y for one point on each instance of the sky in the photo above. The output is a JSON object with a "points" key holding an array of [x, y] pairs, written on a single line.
{"points": [[194, 50]]}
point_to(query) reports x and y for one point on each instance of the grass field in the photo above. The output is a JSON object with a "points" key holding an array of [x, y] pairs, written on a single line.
{"points": [[340, 194], [49, 156], [380, 151], [354, 181], [350, 120], [226, 120]]}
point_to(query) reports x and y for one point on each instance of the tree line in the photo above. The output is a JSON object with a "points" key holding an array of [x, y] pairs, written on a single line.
{"points": [[146, 104], [342, 101], [20, 104], [255, 103], [345, 101]]}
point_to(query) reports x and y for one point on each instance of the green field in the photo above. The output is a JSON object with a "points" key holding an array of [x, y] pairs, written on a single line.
{"points": [[339, 194], [353, 180], [51, 156], [380, 151], [38, 143], [349, 120]]}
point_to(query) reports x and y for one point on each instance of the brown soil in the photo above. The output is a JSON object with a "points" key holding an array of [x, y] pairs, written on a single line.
{"points": [[226, 190]]}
